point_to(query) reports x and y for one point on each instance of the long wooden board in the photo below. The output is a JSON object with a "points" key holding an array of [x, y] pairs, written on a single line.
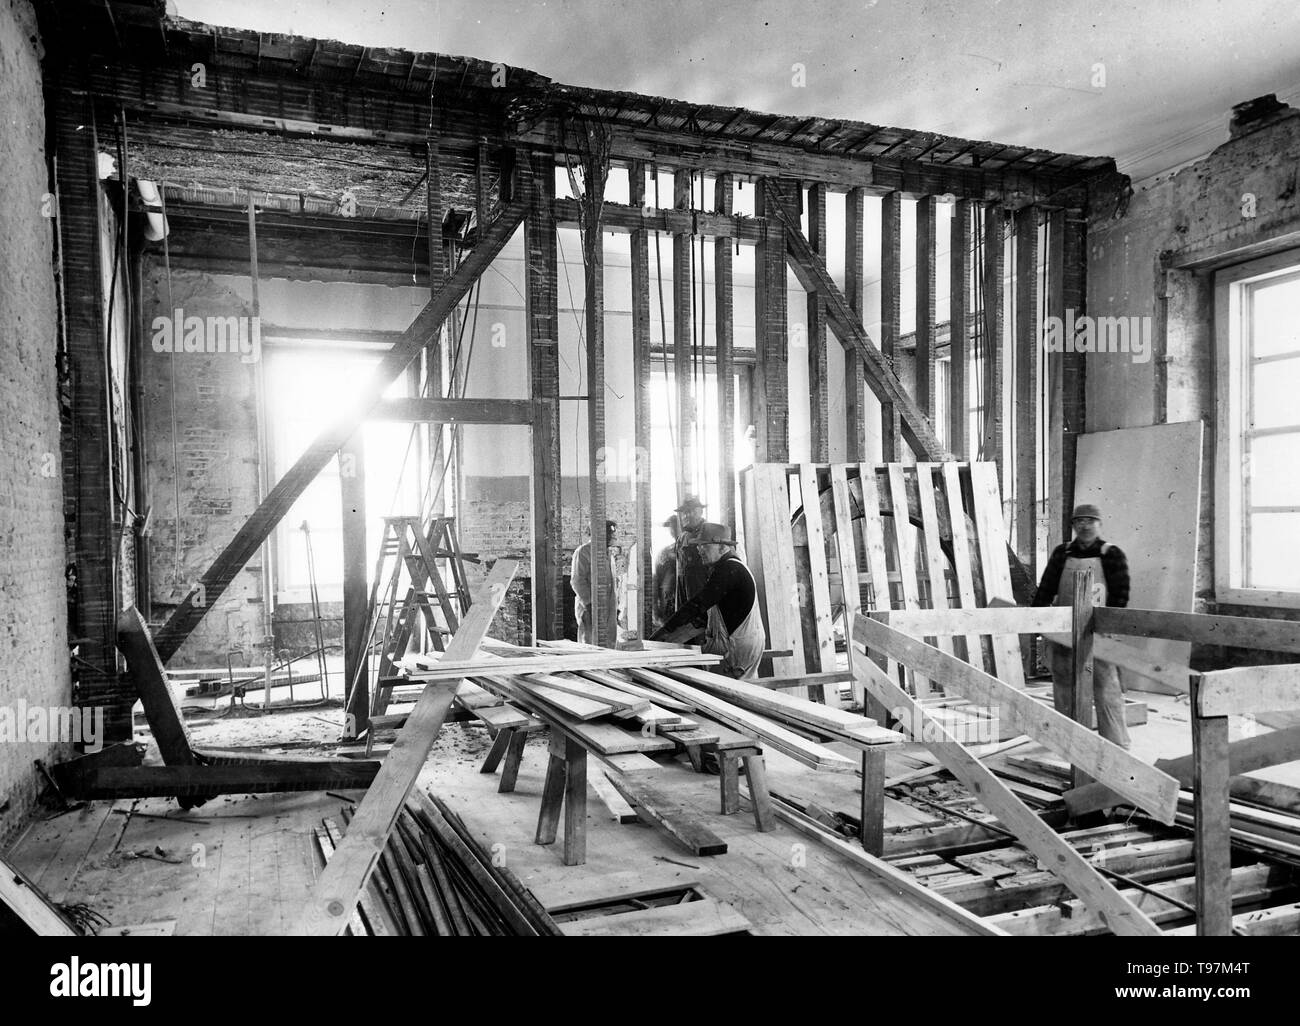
{"points": [[30, 905], [961, 555], [456, 669], [1148, 788], [785, 741], [335, 894], [1058, 856], [818, 578], [940, 623], [704, 918], [1200, 628], [1244, 756], [680, 822]]}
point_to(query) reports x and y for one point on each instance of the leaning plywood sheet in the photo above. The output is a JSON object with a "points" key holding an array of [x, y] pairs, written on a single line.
{"points": [[1155, 525], [1059, 857], [337, 890], [1148, 788]]}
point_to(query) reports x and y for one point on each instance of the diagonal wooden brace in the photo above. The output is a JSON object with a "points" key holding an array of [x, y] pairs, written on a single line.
{"points": [[811, 271]]}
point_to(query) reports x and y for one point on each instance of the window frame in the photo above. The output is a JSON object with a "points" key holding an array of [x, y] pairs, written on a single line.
{"points": [[1231, 337]]}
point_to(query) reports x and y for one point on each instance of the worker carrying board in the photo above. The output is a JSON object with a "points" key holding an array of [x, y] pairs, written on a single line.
{"points": [[730, 598], [1110, 587]]}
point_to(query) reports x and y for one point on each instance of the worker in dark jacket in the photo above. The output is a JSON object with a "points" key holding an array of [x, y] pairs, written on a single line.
{"points": [[692, 570], [665, 574], [1110, 587], [730, 598]]}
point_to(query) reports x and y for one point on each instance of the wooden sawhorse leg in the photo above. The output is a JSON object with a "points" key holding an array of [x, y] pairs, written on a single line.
{"points": [[729, 761], [500, 742], [871, 828], [514, 756], [565, 786]]}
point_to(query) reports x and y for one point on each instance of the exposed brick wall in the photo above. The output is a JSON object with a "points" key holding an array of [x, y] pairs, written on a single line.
{"points": [[33, 614], [216, 448]]}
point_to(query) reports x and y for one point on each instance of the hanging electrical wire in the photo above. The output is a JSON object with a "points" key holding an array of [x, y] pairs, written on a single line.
{"points": [[663, 342]]}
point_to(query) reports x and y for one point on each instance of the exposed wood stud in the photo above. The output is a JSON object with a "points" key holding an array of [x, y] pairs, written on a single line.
{"points": [[1027, 349], [723, 255], [855, 436], [891, 287], [683, 266], [642, 376], [958, 338], [925, 304], [818, 411]]}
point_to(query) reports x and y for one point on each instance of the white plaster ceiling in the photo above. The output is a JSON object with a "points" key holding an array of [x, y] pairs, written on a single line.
{"points": [[1027, 72]]}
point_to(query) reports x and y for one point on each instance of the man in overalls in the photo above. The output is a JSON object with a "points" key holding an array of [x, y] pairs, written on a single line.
{"points": [[735, 628], [1110, 587]]}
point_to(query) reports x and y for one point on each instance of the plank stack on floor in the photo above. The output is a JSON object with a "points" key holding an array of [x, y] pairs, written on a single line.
{"points": [[434, 879]]}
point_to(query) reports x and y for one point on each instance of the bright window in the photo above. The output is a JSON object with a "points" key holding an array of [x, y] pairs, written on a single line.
{"points": [[305, 390], [1257, 481]]}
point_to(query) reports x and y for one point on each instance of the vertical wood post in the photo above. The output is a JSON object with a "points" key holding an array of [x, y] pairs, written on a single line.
{"points": [[771, 393], [1026, 397], [642, 374], [544, 378], [356, 592], [891, 288], [723, 274], [994, 361], [855, 437], [818, 412], [1081, 635], [1212, 842], [958, 344], [925, 304], [682, 355]]}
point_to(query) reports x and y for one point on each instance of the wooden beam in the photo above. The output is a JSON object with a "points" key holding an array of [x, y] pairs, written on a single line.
{"points": [[993, 289], [543, 326], [1213, 845], [724, 332], [891, 303], [771, 392], [1027, 349], [1143, 785], [770, 733], [683, 358], [1081, 659], [883, 382], [634, 217], [642, 416], [106, 783], [1244, 756], [855, 439], [356, 591], [604, 619], [335, 894], [161, 708], [1245, 690], [417, 409], [958, 339], [1074, 272], [818, 411], [1051, 849], [937, 623], [258, 527], [925, 305], [677, 820], [1201, 629], [447, 668]]}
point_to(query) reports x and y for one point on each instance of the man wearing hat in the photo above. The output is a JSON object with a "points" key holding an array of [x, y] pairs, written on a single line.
{"points": [[665, 573], [580, 579], [1110, 587], [692, 570], [730, 598]]}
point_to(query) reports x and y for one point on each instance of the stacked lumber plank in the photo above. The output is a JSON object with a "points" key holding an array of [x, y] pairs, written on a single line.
{"points": [[435, 880], [629, 705]]}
